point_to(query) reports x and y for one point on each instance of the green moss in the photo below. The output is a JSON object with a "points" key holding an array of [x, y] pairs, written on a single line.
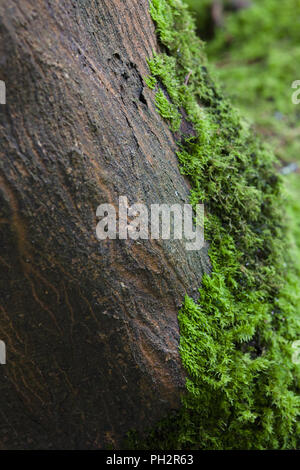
{"points": [[150, 82], [257, 56], [167, 110], [242, 387]]}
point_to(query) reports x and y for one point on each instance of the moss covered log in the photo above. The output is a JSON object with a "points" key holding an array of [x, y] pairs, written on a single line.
{"points": [[92, 330], [236, 340]]}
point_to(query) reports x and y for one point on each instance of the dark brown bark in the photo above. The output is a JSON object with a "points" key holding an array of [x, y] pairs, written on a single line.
{"points": [[90, 327]]}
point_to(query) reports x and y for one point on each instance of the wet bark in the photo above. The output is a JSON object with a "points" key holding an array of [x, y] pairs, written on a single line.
{"points": [[90, 327]]}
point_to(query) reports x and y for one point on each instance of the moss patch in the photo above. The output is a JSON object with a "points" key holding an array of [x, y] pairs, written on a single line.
{"points": [[242, 390]]}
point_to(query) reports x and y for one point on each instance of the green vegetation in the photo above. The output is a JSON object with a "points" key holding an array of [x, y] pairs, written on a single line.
{"points": [[257, 57], [243, 389]]}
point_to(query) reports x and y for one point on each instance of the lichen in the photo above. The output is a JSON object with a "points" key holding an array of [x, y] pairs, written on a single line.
{"points": [[236, 340]]}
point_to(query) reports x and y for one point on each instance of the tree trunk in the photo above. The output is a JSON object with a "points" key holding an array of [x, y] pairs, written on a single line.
{"points": [[90, 326]]}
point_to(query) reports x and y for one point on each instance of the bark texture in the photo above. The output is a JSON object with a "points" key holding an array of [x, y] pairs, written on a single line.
{"points": [[90, 327]]}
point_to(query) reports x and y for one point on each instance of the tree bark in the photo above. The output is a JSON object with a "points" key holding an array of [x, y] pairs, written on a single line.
{"points": [[90, 327]]}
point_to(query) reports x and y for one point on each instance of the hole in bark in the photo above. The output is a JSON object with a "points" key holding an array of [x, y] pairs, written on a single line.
{"points": [[142, 97], [117, 56]]}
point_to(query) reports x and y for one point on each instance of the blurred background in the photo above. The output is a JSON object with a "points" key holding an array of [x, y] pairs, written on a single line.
{"points": [[253, 47]]}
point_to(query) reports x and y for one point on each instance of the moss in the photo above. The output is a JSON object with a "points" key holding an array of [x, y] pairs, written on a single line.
{"points": [[242, 387], [151, 82], [257, 56], [167, 110]]}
